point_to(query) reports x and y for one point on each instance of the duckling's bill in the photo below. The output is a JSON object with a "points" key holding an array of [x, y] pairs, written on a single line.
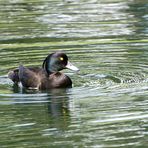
{"points": [[71, 67]]}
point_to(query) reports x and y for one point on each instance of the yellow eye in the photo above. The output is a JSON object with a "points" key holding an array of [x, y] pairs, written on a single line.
{"points": [[61, 58]]}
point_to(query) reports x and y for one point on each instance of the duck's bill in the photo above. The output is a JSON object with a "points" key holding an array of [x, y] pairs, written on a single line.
{"points": [[71, 67]]}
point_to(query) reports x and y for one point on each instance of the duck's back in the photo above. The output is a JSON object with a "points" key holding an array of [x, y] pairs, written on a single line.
{"points": [[37, 78], [29, 77]]}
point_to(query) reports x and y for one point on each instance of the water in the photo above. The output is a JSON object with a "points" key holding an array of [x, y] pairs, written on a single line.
{"points": [[107, 106]]}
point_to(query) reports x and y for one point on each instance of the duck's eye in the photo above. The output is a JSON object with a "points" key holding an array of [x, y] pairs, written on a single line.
{"points": [[61, 58]]}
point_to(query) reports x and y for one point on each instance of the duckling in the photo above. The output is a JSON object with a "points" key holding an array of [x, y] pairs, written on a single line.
{"points": [[46, 77]]}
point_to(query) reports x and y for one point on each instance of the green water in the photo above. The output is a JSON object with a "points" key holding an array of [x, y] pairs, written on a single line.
{"points": [[107, 106]]}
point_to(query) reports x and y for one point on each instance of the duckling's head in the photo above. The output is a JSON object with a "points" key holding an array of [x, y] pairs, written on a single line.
{"points": [[57, 61]]}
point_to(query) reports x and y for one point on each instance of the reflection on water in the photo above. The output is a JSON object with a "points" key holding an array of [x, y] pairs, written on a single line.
{"points": [[107, 106]]}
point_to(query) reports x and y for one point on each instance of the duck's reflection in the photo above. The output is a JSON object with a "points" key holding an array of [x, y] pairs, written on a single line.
{"points": [[58, 104], [51, 109]]}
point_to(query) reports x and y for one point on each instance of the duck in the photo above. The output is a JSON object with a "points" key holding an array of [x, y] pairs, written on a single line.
{"points": [[46, 77]]}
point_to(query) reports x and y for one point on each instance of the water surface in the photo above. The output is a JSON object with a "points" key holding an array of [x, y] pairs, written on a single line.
{"points": [[107, 106]]}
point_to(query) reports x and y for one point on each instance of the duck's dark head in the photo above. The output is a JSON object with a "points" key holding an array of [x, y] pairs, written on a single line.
{"points": [[57, 61]]}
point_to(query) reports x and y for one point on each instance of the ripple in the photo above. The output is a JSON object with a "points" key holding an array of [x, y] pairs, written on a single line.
{"points": [[121, 119]]}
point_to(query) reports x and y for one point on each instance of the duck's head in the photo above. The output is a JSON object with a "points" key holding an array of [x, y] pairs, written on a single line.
{"points": [[57, 61]]}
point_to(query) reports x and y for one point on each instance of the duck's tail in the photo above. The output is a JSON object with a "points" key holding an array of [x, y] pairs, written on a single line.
{"points": [[14, 76]]}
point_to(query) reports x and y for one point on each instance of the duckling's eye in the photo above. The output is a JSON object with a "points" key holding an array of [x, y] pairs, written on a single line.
{"points": [[61, 59]]}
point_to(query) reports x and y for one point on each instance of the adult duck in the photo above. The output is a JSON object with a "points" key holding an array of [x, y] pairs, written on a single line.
{"points": [[46, 77]]}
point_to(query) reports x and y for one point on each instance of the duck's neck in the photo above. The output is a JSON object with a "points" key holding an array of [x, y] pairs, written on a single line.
{"points": [[46, 66], [49, 67], [49, 71]]}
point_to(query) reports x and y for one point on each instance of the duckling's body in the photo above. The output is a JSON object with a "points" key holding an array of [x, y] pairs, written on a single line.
{"points": [[46, 77]]}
